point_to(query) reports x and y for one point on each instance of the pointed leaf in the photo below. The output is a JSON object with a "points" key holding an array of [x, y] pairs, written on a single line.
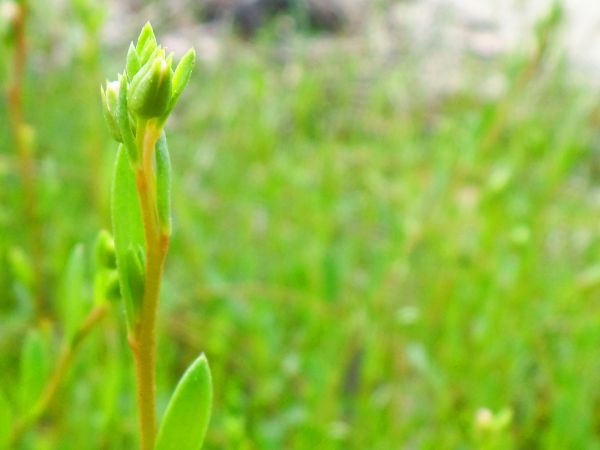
{"points": [[186, 419], [73, 301], [183, 72], [124, 122], [133, 62], [146, 44], [181, 77], [128, 228], [146, 41], [35, 364]]}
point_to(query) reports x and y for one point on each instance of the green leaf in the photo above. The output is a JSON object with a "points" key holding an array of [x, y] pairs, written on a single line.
{"points": [[35, 364], [133, 62], [110, 104], [186, 419], [128, 229], [146, 43], [124, 123], [5, 421], [146, 36], [72, 299], [181, 77], [183, 72], [163, 184]]}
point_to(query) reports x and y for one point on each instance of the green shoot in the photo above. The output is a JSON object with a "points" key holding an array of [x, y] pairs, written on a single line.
{"points": [[136, 107]]}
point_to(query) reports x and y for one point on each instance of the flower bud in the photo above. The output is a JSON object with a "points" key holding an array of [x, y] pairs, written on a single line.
{"points": [[150, 89], [112, 288], [106, 257], [110, 99]]}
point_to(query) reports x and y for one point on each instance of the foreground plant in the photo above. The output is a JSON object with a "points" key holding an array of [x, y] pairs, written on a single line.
{"points": [[136, 107]]}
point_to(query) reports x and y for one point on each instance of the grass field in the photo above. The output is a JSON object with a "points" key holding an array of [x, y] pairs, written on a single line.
{"points": [[366, 266]]}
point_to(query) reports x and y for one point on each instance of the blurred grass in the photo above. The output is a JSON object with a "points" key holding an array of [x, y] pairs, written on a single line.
{"points": [[365, 266]]}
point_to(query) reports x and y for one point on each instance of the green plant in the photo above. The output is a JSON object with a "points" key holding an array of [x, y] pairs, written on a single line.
{"points": [[136, 107], [23, 138], [41, 374]]}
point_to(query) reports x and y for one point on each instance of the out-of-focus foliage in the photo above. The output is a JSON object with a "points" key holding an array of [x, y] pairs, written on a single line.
{"points": [[365, 266]]}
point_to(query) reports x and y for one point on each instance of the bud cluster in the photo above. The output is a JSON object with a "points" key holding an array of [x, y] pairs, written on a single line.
{"points": [[147, 89]]}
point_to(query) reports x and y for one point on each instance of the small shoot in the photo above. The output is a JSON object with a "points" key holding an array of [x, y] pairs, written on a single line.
{"points": [[136, 107]]}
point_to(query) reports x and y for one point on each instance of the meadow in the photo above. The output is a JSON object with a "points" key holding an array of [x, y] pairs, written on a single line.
{"points": [[365, 264]]}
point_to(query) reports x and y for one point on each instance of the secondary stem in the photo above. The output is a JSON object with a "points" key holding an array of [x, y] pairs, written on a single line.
{"points": [[66, 357], [22, 139], [144, 335]]}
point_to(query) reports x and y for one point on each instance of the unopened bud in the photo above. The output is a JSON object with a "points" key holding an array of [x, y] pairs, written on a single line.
{"points": [[110, 99], [151, 89], [112, 287], [105, 251]]}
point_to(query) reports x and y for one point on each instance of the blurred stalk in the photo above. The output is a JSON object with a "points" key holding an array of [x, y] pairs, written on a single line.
{"points": [[23, 139], [546, 31], [69, 349], [91, 15]]}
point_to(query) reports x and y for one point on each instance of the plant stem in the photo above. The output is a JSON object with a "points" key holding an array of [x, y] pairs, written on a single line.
{"points": [[22, 138], [66, 357], [143, 339]]}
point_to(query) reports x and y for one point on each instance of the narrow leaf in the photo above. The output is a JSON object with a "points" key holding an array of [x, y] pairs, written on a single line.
{"points": [[186, 419], [34, 369], [163, 184], [148, 46], [73, 304], [128, 228], [182, 75], [146, 40], [133, 62], [124, 123]]}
